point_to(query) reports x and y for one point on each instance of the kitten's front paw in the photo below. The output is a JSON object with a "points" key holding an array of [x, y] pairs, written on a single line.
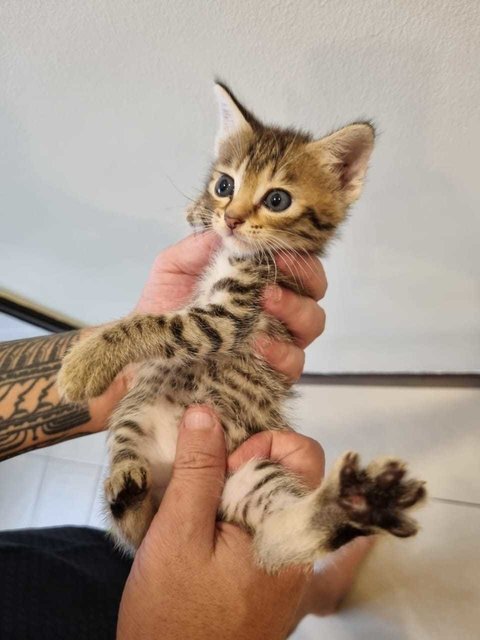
{"points": [[86, 371], [375, 498]]}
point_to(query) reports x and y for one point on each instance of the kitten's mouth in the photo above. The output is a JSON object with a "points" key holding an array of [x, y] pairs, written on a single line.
{"points": [[236, 242], [225, 232]]}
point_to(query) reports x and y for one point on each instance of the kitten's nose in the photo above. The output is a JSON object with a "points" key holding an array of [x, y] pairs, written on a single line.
{"points": [[232, 222]]}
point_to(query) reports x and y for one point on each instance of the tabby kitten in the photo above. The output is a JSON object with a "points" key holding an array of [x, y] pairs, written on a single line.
{"points": [[269, 189]]}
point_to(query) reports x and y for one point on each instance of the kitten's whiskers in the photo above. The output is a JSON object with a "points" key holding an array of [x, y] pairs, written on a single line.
{"points": [[301, 255], [272, 242]]}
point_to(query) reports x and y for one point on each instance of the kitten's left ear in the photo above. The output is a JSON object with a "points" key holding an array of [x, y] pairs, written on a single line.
{"points": [[232, 115], [346, 153]]}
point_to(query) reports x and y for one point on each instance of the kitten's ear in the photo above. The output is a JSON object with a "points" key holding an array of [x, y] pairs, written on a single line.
{"points": [[346, 153], [232, 115]]}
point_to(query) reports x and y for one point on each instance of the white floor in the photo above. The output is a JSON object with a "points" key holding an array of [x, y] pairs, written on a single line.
{"points": [[418, 589], [427, 587]]}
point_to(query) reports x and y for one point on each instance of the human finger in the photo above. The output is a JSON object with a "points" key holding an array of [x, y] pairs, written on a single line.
{"points": [[284, 357], [189, 256], [302, 316], [305, 269], [191, 501], [301, 454]]}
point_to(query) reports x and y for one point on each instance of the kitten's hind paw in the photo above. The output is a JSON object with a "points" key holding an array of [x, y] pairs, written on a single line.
{"points": [[127, 486], [374, 498], [131, 503]]}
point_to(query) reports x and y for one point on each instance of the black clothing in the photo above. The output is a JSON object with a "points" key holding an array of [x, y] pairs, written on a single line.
{"points": [[60, 583]]}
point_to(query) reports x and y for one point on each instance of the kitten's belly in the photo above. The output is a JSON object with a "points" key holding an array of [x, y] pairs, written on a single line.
{"points": [[244, 395], [161, 420]]}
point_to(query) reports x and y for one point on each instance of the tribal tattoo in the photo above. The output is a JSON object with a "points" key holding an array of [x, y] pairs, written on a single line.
{"points": [[31, 413]]}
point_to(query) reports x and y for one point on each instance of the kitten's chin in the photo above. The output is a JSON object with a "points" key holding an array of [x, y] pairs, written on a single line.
{"points": [[237, 246]]}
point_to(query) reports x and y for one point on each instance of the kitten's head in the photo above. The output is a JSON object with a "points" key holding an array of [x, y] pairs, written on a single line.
{"points": [[272, 188]]}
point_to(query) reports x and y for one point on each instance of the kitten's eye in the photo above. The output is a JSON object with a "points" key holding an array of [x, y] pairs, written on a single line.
{"points": [[225, 186], [277, 200]]}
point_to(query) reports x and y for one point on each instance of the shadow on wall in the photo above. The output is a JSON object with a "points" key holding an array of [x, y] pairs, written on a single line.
{"points": [[405, 173], [47, 231]]}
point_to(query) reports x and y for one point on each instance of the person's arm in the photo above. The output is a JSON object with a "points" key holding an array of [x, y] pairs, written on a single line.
{"points": [[31, 413]]}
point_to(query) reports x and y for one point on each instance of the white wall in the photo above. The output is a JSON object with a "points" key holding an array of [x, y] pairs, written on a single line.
{"points": [[105, 105]]}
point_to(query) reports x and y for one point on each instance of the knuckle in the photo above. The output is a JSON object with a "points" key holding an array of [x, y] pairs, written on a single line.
{"points": [[192, 459], [307, 311], [294, 363], [298, 303], [309, 322], [280, 351], [325, 284], [300, 366], [321, 320], [322, 287], [321, 283], [275, 353], [159, 262], [300, 313], [314, 461], [291, 302], [316, 452]]}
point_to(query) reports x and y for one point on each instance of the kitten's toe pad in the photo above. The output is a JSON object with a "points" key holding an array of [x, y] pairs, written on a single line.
{"points": [[126, 487], [375, 497]]}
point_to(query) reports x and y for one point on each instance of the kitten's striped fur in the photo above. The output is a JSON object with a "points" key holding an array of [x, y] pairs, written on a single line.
{"points": [[204, 353]]}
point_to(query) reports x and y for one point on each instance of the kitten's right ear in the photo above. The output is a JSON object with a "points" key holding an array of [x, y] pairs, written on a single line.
{"points": [[232, 116], [346, 153]]}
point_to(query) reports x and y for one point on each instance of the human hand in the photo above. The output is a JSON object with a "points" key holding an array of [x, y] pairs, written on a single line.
{"points": [[174, 277], [302, 316], [300, 454], [196, 578]]}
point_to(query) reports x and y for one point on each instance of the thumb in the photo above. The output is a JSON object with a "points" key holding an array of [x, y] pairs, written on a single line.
{"points": [[192, 497]]}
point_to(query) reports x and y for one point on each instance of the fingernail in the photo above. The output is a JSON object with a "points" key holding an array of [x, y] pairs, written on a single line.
{"points": [[273, 292], [196, 418]]}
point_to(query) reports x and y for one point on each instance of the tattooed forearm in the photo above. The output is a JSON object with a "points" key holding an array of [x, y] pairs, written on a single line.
{"points": [[31, 414]]}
